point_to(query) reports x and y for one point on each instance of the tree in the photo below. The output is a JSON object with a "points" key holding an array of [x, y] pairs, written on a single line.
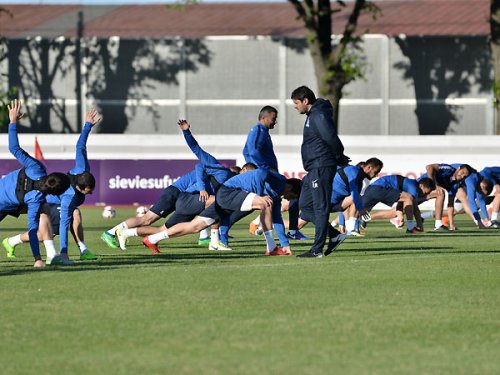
{"points": [[495, 56], [336, 62]]}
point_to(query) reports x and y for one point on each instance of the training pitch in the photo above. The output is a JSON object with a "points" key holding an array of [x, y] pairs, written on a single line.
{"points": [[388, 303]]}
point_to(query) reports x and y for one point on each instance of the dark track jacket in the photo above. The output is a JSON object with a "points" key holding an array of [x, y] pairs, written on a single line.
{"points": [[321, 147]]}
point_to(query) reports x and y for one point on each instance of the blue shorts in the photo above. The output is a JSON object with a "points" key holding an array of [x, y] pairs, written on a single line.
{"points": [[228, 201], [375, 194], [55, 216], [165, 205], [187, 207]]}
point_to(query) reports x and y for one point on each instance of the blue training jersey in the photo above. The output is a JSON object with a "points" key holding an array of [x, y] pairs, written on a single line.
{"points": [[33, 199], [410, 185], [471, 186], [492, 174], [208, 168], [443, 177], [259, 148], [341, 190]]}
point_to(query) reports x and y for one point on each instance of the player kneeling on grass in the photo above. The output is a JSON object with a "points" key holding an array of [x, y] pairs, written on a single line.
{"points": [[395, 188], [260, 190]]}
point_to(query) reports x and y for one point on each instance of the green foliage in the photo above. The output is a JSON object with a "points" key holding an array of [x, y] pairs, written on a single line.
{"points": [[388, 303], [496, 93]]}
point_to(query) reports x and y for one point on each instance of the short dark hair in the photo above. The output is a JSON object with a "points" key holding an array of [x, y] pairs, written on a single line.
{"points": [[375, 162], [303, 92], [235, 169], [296, 185], [250, 166], [488, 184], [55, 183], [85, 180], [468, 168], [266, 111], [428, 183]]}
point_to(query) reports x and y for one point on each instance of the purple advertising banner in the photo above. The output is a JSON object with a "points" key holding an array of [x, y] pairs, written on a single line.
{"points": [[124, 182]]}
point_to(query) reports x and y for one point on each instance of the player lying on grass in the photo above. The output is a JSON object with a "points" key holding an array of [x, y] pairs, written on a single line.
{"points": [[259, 189], [447, 179], [395, 188], [63, 209], [24, 190]]}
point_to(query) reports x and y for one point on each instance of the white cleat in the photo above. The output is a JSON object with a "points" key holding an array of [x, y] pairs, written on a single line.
{"points": [[122, 240], [219, 246]]}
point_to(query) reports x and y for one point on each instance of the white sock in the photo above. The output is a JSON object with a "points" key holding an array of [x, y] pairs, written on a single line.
{"points": [[256, 220], [214, 236], [122, 225], [50, 248], [410, 224], [438, 223], [157, 237], [83, 248], [494, 216], [350, 224], [333, 223], [14, 241], [292, 232], [129, 232], [427, 215], [271, 244], [204, 234]]}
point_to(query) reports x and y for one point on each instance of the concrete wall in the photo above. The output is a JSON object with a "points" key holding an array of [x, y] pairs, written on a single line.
{"points": [[426, 86]]}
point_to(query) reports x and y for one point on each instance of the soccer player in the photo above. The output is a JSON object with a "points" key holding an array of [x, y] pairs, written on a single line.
{"points": [[475, 187], [259, 150], [346, 194], [493, 174], [447, 178], [188, 196], [24, 190], [395, 188], [322, 151], [259, 189], [64, 212]]}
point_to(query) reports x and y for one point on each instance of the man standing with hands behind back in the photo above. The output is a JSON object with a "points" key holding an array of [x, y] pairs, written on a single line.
{"points": [[322, 151]]}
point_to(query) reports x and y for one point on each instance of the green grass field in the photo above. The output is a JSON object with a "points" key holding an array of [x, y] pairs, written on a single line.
{"points": [[388, 303]]}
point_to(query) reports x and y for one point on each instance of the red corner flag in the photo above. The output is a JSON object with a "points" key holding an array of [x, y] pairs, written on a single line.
{"points": [[38, 151]]}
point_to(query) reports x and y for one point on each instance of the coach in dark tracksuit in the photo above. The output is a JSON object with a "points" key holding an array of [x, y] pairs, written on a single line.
{"points": [[322, 151]]}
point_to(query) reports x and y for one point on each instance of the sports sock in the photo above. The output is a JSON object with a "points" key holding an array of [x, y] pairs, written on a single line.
{"points": [[50, 248], [494, 216], [410, 224], [14, 241], [157, 237], [427, 215], [204, 233], [214, 237], [82, 247], [122, 225], [292, 232], [256, 221], [350, 224], [130, 232], [438, 223], [271, 244], [333, 223]]}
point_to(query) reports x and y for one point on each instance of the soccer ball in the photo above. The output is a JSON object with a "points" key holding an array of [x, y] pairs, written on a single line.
{"points": [[108, 212], [141, 211]]}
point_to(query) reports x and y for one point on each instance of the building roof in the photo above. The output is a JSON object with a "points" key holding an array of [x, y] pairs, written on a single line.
{"points": [[410, 17]]}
